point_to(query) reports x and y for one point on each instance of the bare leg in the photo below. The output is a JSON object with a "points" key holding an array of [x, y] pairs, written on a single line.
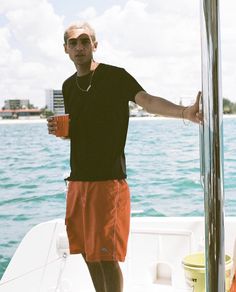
{"points": [[97, 275], [113, 276]]}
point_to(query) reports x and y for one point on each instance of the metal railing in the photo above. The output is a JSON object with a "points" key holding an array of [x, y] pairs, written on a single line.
{"points": [[211, 147]]}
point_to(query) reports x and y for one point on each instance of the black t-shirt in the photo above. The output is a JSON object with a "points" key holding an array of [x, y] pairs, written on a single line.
{"points": [[99, 122]]}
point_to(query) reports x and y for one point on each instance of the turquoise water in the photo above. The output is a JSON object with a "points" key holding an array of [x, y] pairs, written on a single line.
{"points": [[163, 174]]}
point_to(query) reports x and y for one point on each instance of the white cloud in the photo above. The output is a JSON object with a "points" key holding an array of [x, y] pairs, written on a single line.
{"points": [[160, 47], [38, 29], [88, 13], [7, 5], [228, 48], [159, 42], [4, 36], [31, 51]]}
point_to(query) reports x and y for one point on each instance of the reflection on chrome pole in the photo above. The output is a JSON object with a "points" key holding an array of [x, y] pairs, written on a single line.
{"points": [[212, 151]]}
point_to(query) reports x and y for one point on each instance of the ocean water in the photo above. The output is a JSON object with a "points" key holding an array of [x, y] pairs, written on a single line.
{"points": [[162, 165]]}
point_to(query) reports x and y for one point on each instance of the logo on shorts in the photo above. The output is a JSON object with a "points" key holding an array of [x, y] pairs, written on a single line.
{"points": [[104, 249]]}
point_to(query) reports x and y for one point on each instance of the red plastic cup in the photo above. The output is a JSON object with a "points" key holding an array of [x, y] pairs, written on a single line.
{"points": [[62, 125]]}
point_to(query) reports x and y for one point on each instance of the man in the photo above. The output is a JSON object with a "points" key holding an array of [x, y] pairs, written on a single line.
{"points": [[98, 204]]}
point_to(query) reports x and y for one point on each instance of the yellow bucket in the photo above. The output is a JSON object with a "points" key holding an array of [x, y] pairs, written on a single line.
{"points": [[194, 269]]}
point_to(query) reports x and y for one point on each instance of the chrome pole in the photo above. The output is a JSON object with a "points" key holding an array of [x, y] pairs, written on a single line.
{"points": [[212, 150]]}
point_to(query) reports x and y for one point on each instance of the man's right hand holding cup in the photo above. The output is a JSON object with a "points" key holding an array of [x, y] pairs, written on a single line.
{"points": [[59, 125]]}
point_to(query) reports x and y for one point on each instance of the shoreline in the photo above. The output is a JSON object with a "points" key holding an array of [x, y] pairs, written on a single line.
{"points": [[26, 121], [38, 121]]}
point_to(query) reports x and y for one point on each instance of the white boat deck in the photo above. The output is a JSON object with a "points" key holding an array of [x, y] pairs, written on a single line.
{"points": [[156, 249]]}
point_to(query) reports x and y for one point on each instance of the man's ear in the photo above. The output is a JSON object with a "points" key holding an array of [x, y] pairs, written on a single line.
{"points": [[65, 48], [95, 45]]}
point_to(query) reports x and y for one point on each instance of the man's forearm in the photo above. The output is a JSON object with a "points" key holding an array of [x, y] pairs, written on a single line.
{"points": [[158, 105]]}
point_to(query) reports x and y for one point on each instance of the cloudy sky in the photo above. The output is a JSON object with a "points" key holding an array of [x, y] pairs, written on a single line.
{"points": [[157, 41]]}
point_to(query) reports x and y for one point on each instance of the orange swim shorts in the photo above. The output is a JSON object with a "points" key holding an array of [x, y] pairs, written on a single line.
{"points": [[98, 219]]}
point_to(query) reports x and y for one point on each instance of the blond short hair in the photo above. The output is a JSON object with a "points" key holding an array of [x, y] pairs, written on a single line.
{"points": [[82, 25]]}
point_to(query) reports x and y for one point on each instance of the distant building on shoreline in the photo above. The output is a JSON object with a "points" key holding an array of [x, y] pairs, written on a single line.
{"points": [[20, 114], [19, 109], [13, 104], [55, 101]]}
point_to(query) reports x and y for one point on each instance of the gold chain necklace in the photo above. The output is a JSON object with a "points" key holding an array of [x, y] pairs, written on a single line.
{"points": [[90, 82]]}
